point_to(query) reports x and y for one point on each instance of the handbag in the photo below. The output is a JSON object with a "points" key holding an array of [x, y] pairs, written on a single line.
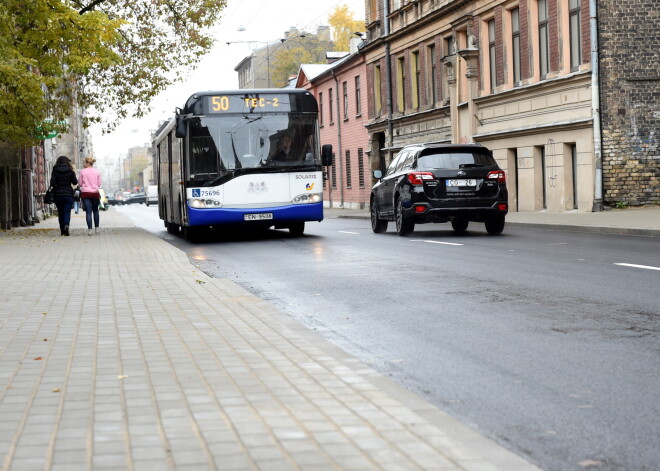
{"points": [[76, 194], [49, 198]]}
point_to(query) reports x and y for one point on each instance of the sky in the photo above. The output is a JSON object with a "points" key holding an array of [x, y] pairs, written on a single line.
{"points": [[242, 20]]}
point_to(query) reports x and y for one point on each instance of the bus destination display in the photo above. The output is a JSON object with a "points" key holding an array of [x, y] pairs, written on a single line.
{"points": [[248, 104]]}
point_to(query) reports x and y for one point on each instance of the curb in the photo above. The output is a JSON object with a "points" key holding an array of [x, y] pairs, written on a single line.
{"points": [[557, 227], [587, 229]]}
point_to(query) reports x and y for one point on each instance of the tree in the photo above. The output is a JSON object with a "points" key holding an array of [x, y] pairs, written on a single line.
{"points": [[343, 26], [307, 49], [110, 57]]}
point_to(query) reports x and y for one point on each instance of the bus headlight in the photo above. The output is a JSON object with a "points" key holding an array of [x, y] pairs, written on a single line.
{"points": [[306, 198], [199, 203]]}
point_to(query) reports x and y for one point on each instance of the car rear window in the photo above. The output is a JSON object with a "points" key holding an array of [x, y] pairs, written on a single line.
{"points": [[455, 160]]}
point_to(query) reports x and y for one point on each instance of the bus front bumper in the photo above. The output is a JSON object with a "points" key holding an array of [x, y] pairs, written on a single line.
{"points": [[274, 215]]}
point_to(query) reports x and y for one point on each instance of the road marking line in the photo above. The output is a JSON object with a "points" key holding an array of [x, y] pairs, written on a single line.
{"points": [[347, 232], [645, 267], [435, 242]]}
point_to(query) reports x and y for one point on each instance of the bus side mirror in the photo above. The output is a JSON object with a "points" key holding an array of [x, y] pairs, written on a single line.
{"points": [[378, 174], [326, 155], [180, 130]]}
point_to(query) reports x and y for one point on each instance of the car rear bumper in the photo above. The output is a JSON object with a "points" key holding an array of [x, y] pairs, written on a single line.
{"points": [[424, 212]]}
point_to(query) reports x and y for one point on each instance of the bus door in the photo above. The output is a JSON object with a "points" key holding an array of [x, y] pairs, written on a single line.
{"points": [[179, 198]]}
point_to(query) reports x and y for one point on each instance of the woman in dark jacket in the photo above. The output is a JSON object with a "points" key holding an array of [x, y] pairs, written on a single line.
{"points": [[61, 180]]}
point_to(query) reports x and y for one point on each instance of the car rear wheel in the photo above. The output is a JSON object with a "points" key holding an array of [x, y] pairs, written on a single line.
{"points": [[297, 228], [404, 225], [495, 225], [378, 225], [459, 225]]}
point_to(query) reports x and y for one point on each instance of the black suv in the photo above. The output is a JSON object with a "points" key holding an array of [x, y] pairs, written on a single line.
{"points": [[440, 183]]}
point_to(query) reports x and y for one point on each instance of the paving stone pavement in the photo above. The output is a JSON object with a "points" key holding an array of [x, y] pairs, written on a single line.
{"points": [[117, 354]]}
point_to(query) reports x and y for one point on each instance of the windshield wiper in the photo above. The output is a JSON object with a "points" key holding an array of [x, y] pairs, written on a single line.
{"points": [[216, 180]]}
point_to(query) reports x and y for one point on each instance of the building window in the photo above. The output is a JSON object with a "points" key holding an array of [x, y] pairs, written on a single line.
{"points": [[373, 9], [361, 181], [515, 45], [448, 51], [574, 30], [414, 71], [332, 120], [320, 109], [377, 97], [345, 90], [491, 55], [431, 70], [400, 84], [358, 98], [349, 182], [574, 165], [544, 53], [333, 171]]}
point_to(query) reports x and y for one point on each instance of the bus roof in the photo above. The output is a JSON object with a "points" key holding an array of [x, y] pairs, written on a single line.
{"points": [[243, 100]]}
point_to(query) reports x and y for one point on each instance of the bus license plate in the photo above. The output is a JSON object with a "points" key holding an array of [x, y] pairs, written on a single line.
{"points": [[257, 217], [461, 183]]}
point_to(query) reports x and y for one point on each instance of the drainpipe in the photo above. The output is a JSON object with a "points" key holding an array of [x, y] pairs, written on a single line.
{"points": [[388, 74], [339, 156], [595, 107]]}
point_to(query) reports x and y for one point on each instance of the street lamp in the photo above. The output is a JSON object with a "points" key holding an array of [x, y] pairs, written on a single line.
{"points": [[267, 43]]}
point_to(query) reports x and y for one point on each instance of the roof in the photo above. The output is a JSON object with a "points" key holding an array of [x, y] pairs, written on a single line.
{"points": [[313, 70]]}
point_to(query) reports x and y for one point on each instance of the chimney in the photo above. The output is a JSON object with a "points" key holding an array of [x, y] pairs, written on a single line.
{"points": [[354, 44], [323, 33], [293, 32]]}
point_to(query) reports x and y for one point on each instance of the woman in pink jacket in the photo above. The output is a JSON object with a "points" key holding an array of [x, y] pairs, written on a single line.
{"points": [[90, 182]]}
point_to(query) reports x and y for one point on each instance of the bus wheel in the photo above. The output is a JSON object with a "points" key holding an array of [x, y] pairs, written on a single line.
{"points": [[191, 234], [297, 228], [172, 228]]}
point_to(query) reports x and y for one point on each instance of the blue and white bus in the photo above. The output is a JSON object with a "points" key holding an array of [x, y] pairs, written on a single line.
{"points": [[249, 157]]}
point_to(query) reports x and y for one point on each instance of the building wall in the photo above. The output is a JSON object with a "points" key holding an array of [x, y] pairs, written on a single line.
{"points": [[629, 44], [539, 127], [349, 179]]}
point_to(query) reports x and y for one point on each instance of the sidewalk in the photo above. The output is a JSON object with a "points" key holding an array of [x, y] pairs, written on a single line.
{"points": [[117, 354], [632, 221]]}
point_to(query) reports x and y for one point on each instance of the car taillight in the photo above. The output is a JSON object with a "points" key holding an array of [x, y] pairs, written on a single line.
{"points": [[498, 175], [417, 178]]}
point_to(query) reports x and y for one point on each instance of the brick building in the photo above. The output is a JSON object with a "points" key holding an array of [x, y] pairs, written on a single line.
{"points": [[340, 89], [513, 75], [629, 44]]}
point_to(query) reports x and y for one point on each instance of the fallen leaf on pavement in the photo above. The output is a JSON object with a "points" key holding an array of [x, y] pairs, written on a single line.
{"points": [[587, 463], [38, 358]]}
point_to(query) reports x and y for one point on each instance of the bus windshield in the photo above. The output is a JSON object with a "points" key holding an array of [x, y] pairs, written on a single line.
{"points": [[222, 145]]}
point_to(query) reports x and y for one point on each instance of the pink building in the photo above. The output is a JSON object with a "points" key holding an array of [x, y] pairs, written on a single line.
{"points": [[340, 89]]}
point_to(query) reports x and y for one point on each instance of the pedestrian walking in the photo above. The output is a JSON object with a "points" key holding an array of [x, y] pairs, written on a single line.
{"points": [[62, 180], [90, 183]]}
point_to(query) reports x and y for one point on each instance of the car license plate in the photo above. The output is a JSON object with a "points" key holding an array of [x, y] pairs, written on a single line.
{"points": [[461, 182], [257, 216]]}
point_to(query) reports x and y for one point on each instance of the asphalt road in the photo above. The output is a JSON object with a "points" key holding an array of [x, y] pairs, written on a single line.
{"points": [[546, 341]]}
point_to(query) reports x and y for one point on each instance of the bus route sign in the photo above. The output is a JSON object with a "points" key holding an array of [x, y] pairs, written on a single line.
{"points": [[248, 103]]}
